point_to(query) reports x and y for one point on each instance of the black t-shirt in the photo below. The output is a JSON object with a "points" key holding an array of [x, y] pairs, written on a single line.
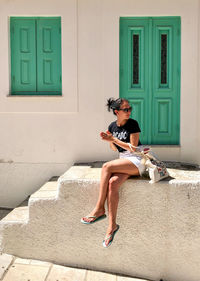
{"points": [[123, 132]]}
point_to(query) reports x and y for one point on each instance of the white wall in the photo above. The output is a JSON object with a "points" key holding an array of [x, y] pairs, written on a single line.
{"points": [[198, 83], [57, 131]]}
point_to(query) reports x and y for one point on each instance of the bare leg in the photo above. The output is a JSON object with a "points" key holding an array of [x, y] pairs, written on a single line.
{"points": [[99, 208], [123, 166], [115, 182]]}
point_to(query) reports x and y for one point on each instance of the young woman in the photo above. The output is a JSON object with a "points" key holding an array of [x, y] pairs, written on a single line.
{"points": [[120, 134]]}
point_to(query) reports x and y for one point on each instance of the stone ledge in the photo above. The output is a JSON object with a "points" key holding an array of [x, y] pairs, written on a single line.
{"points": [[180, 174], [48, 190], [159, 227], [19, 214]]}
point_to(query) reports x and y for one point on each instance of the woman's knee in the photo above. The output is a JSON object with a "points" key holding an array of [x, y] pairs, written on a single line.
{"points": [[113, 184], [107, 167]]}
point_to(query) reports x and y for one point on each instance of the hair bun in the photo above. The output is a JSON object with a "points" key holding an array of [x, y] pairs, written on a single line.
{"points": [[110, 103], [115, 104]]}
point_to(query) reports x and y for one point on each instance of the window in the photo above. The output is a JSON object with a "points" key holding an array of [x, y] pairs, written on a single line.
{"points": [[35, 55]]}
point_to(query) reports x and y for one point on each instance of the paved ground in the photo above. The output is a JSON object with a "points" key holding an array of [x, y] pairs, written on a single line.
{"points": [[17, 269]]}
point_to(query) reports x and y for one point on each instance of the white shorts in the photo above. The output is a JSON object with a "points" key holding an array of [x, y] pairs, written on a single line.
{"points": [[135, 159]]}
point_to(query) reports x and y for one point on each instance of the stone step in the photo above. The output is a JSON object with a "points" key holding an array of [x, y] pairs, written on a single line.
{"points": [[48, 190], [159, 226], [19, 214]]}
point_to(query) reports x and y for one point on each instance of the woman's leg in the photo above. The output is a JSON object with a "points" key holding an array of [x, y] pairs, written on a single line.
{"points": [[123, 166], [115, 182], [99, 208]]}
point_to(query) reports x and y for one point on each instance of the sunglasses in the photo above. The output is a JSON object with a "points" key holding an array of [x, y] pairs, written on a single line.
{"points": [[126, 109]]}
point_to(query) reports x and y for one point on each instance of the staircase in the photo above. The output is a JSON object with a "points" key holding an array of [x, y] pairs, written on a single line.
{"points": [[159, 226]]}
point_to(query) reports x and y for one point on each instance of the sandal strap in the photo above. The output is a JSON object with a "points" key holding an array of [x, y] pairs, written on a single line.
{"points": [[110, 236], [92, 217], [107, 238]]}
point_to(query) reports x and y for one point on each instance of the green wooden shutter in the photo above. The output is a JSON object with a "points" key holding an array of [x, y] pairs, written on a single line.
{"points": [[23, 55], [150, 75], [49, 55]]}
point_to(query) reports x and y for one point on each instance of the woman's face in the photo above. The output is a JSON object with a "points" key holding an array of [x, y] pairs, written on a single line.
{"points": [[121, 114]]}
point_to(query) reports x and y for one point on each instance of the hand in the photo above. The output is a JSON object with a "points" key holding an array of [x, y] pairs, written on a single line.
{"points": [[107, 136]]}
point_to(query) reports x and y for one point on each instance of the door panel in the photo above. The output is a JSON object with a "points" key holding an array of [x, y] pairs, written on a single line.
{"points": [[165, 90], [133, 71], [163, 113], [138, 114]]}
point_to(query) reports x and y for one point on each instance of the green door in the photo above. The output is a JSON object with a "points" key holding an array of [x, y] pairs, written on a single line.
{"points": [[150, 75]]}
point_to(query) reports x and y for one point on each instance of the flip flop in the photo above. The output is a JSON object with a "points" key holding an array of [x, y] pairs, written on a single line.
{"points": [[111, 237], [95, 219]]}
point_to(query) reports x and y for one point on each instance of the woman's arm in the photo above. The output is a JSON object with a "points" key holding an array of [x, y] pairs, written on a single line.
{"points": [[134, 139], [112, 146]]}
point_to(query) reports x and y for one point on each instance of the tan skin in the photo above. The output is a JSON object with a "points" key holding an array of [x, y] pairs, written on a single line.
{"points": [[114, 173]]}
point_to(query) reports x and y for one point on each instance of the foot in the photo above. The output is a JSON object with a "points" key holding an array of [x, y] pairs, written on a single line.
{"points": [[93, 216], [110, 235]]}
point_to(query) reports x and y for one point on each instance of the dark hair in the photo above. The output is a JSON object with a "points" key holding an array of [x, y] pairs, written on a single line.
{"points": [[115, 104]]}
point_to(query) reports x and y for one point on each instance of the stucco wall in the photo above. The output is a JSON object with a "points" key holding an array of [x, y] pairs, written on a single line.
{"points": [[198, 81], [57, 131]]}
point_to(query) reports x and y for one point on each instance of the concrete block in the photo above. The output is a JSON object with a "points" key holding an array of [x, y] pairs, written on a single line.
{"points": [[44, 194], [50, 186], [158, 236], [18, 214]]}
